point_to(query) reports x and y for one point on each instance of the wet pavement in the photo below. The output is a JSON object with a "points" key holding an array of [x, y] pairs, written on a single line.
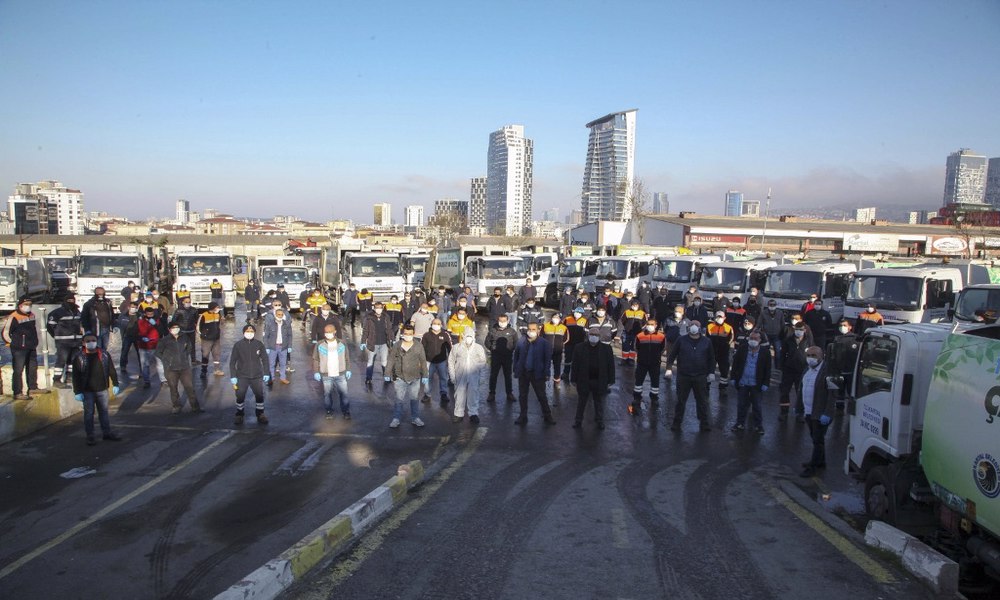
{"points": [[188, 504]]}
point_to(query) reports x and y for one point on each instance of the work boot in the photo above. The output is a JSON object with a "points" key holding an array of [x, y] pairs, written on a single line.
{"points": [[492, 398], [262, 418], [511, 398], [444, 400], [238, 419]]}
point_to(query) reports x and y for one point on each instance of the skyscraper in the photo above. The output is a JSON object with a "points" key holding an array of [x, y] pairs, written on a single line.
{"points": [[965, 177], [864, 215], [183, 212], [734, 203], [610, 168], [509, 181], [477, 203], [661, 205], [383, 214], [414, 216], [993, 182]]}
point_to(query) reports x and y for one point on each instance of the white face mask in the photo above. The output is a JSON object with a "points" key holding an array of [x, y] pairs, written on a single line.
{"points": [[325, 313], [871, 309], [532, 335], [407, 338], [330, 336], [593, 339], [794, 321], [812, 360], [436, 327], [748, 327], [650, 328], [91, 345], [469, 341], [844, 329], [720, 320], [24, 309], [132, 311], [678, 316], [175, 332], [248, 335], [555, 321], [600, 313], [753, 343], [694, 330], [502, 324], [378, 311]]}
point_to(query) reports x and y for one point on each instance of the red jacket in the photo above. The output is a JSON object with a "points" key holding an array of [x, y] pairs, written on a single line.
{"points": [[147, 331]]}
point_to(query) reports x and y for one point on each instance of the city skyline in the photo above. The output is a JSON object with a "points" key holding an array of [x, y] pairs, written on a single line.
{"points": [[157, 102]]}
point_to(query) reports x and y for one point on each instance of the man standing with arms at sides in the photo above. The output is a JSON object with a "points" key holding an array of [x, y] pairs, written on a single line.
{"points": [[466, 363], [21, 336], [332, 370], [495, 306], [149, 327], [751, 375], [407, 369], [722, 337], [576, 334], [793, 365], [566, 302], [437, 345], [351, 305], [98, 317], [209, 329], [501, 341], [528, 291], [675, 328], [278, 342], [511, 304], [532, 357], [325, 317], [64, 326], [186, 317], [650, 344], [697, 311], [867, 319], [175, 353], [421, 321], [818, 408], [593, 374], [772, 325], [376, 338], [91, 370], [249, 370], [251, 297], [695, 370], [556, 333]]}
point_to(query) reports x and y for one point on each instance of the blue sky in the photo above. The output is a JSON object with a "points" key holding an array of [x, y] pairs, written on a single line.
{"points": [[321, 109]]}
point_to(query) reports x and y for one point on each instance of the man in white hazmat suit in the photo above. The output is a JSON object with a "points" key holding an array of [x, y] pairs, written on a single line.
{"points": [[466, 365]]}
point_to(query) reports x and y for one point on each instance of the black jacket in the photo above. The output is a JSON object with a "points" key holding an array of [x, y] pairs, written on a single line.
{"points": [[763, 365], [377, 329], [594, 367], [187, 318], [174, 353], [91, 314], [501, 342], [695, 357], [64, 325], [436, 346], [248, 359], [83, 362], [823, 404], [320, 322]]}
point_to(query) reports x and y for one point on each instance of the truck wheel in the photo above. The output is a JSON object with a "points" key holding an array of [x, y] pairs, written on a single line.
{"points": [[880, 495]]}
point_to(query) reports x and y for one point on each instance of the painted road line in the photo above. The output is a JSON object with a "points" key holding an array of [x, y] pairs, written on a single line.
{"points": [[854, 554], [440, 447], [619, 530], [345, 568], [14, 566]]}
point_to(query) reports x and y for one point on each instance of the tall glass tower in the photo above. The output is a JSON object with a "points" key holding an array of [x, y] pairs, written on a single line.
{"points": [[610, 168], [965, 177], [734, 203], [509, 181]]}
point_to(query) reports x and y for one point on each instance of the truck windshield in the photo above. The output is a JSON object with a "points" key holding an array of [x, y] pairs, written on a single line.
{"points": [[7, 276], [375, 266], [885, 291], [417, 265], [981, 300], [672, 270], [618, 269], [203, 265], [792, 284], [571, 268], [60, 264], [725, 279], [109, 266], [274, 275], [504, 269]]}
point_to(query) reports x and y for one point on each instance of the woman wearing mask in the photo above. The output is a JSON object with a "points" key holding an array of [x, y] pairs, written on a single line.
{"points": [[466, 364], [248, 370]]}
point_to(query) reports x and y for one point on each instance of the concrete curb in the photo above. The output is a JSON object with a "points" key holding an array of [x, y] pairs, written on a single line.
{"points": [[328, 539], [19, 418], [923, 562]]}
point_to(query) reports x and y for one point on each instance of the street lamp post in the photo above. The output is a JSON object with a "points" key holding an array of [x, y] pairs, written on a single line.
{"points": [[767, 209]]}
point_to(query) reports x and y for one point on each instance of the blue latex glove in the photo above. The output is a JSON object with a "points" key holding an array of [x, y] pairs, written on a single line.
{"points": [[347, 374], [116, 390], [233, 380], [824, 420], [79, 397], [387, 379], [145, 339], [289, 351], [763, 388], [268, 350], [267, 378], [425, 380], [317, 376], [364, 347]]}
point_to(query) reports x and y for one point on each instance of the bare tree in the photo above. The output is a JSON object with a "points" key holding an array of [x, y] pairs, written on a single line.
{"points": [[450, 224], [637, 205]]}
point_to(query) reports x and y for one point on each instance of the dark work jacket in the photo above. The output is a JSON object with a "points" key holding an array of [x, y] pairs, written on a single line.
{"points": [[174, 353], [823, 404], [83, 362], [695, 357], [532, 359], [599, 358], [501, 342], [248, 359]]}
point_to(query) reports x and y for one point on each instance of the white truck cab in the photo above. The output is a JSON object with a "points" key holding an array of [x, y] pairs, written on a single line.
{"points": [[734, 278], [919, 294], [483, 273], [790, 286], [678, 273], [196, 270], [624, 272]]}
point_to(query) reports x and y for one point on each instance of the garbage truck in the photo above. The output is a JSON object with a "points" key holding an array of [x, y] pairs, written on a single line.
{"points": [[924, 410]]}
